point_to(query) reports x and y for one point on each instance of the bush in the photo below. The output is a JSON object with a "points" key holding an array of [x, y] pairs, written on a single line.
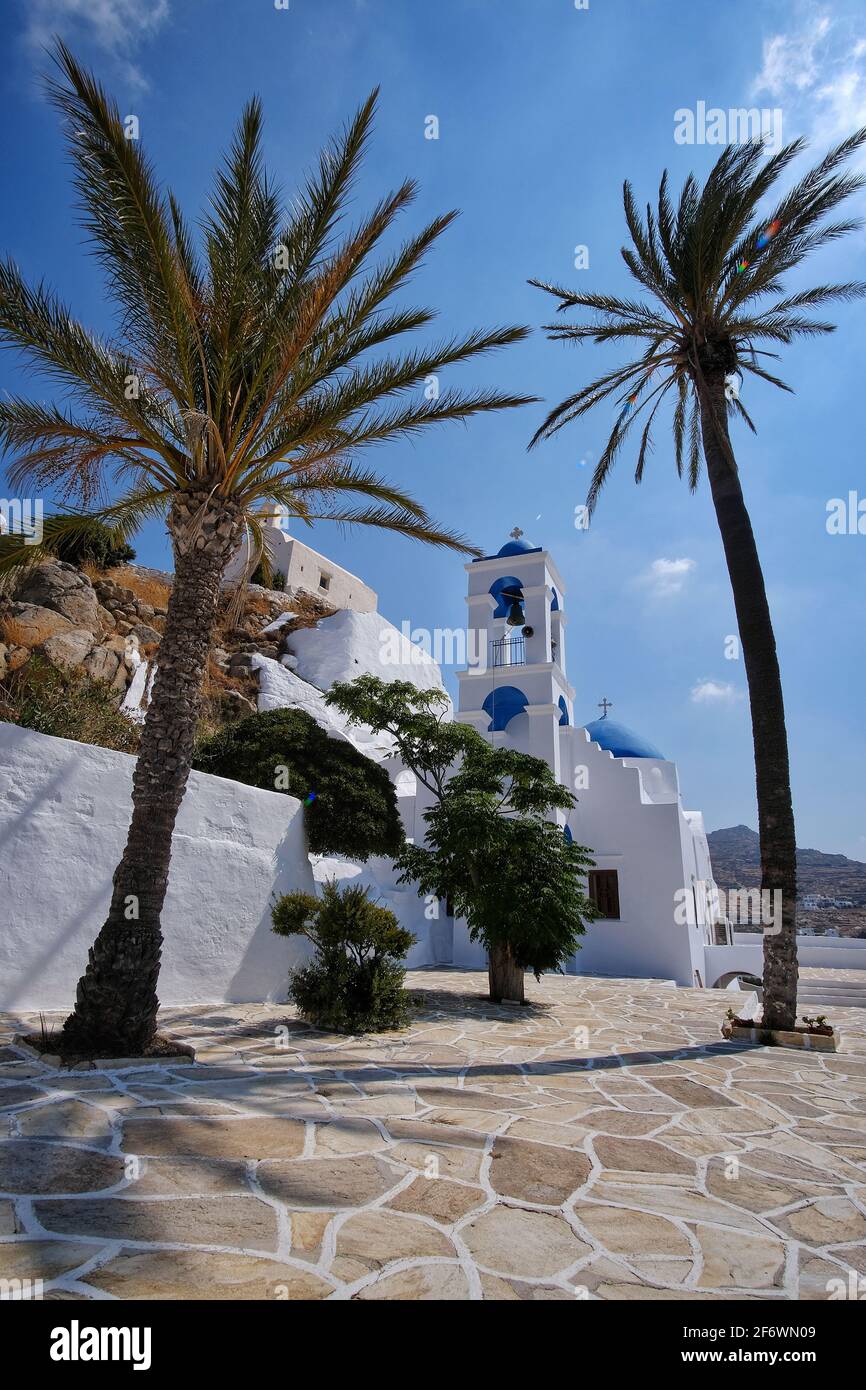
{"points": [[268, 579], [93, 543], [350, 806], [354, 984], [67, 705]]}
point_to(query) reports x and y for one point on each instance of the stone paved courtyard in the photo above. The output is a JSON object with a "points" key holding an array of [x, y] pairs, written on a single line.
{"points": [[603, 1142]]}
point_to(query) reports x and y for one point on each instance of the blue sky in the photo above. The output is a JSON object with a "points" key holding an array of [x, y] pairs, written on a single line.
{"points": [[543, 110]]}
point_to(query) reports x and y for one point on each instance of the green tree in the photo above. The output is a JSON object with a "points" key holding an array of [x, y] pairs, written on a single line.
{"points": [[350, 806], [87, 540], [252, 365], [709, 267], [490, 849], [354, 984]]}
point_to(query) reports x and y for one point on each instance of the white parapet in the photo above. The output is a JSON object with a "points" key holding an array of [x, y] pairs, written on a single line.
{"points": [[64, 814]]}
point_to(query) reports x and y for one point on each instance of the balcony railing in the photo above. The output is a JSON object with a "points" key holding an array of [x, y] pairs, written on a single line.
{"points": [[508, 651]]}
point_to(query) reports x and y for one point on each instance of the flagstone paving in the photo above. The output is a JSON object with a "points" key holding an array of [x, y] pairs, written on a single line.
{"points": [[603, 1142]]}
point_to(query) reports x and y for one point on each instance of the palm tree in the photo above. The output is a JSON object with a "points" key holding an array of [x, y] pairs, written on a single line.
{"points": [[705, 267], [246, 372]]}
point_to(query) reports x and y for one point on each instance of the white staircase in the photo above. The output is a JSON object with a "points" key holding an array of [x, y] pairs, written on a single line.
{"points": [[821, 995]]}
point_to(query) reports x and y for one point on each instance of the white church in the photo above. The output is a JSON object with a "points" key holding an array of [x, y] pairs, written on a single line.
{"points": [[652, 880], [67, 802]]}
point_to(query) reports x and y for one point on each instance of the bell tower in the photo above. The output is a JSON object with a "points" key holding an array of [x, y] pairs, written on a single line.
{"points": [[515, 691]]}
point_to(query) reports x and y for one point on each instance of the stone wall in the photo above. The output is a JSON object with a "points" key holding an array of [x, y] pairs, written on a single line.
{"points": [[64, 812]]}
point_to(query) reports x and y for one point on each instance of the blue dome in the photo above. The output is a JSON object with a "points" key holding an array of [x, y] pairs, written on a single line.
{"points": [[512, 547], [620, 741]]}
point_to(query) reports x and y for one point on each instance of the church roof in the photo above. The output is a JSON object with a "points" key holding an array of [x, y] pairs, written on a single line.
{"points": [[511, 547], [620, 741], [517, 547]]}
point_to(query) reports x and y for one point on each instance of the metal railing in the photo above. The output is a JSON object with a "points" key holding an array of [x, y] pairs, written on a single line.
{"points": [[508, 651]]}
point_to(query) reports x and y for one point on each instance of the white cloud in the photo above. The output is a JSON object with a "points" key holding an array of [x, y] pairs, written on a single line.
{"points": [[115, 26], [665, 578], [710, 692], [816, 71], [791, 60]]}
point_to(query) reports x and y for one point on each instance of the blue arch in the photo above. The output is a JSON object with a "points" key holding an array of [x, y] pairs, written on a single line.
{"points": [[569, 838], [563, 718], [506, 582], [502, 705], [554, 603]]}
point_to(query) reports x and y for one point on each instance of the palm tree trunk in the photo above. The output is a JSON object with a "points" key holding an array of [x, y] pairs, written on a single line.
{"points": [[773, 780], [116, 1000], [504, 976]]}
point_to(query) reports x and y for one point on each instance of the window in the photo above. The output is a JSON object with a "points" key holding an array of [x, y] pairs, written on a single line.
{"points": [[324, 581], [604, 892]]}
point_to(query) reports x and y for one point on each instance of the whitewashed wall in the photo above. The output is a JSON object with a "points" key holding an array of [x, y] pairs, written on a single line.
{"points": [[64, 814]]}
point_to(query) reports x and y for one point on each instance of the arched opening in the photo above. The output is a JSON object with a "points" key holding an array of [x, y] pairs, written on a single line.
{"points": [[405, 783], [563, 710], [503, 605], [502, 705]]}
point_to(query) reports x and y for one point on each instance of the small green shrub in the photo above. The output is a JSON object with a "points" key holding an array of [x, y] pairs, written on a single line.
{"points": [[350, 806], [268, 578], [68, 705], [354, 984], [90, 543]]}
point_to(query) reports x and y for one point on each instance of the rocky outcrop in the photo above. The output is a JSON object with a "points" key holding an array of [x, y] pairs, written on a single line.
{"points": [[56, 611], [107, 630], [63, 589]]}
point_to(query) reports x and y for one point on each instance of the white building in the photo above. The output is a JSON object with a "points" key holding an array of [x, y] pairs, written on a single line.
{"points": [[302, 568], [653, 878]]}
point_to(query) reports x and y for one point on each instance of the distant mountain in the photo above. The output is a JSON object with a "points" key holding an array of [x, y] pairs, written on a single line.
{"points": [[736, 864]]}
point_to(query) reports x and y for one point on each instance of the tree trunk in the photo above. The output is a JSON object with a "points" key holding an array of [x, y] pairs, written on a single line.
{"points": [[505, 976], [116, 1000], [772, 775]]}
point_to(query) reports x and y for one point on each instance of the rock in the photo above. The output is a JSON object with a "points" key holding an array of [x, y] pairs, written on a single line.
{"points": [[190, 1220], [181, 1274], [102, 664], [240, 660], [123, 627], [3, 650], [106, 618], [534, 1244], [536, 1173], [30, 1165], [69, 648], [372, 1239], [240, 702], [33, 623], [145, 611], [62, 588], [146, 635], [16, 658], [438, 1283], [327, 1182], [252, 1137], [445, 1201], [629, 1233]]}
